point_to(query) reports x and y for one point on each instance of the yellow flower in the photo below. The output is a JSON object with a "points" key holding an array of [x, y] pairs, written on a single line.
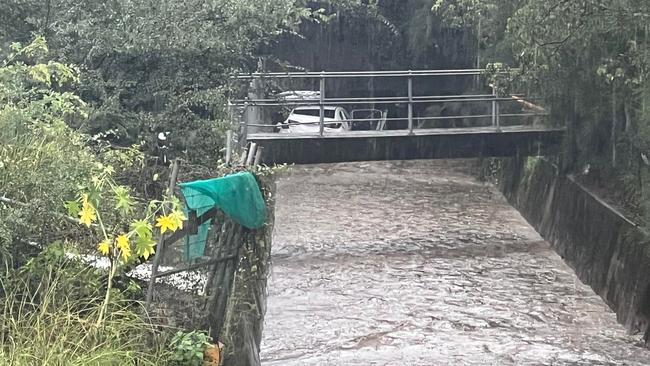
{"points": [[178, 216], [126, 253], [104, 247], [166, 222], [87, 214], [122, 242]]}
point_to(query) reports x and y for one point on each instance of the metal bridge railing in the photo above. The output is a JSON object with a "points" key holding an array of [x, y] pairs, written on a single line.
{"points": [[410, 99], [356, 74]]}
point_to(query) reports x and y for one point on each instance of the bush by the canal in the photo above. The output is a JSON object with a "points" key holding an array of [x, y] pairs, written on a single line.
{"points": [[50, 308], [56, 308]]}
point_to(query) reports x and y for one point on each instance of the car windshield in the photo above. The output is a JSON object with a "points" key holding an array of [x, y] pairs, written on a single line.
{"points": [[329, 113]]}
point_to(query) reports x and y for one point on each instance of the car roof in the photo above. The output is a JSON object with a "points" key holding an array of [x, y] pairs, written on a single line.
{"points": [[311, 107]]}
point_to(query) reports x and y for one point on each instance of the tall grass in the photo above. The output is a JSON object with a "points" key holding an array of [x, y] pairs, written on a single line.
{"points": [[42, 325]]}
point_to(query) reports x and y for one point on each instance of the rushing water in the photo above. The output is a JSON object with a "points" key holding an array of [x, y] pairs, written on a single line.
{"points": [[418, 263]]}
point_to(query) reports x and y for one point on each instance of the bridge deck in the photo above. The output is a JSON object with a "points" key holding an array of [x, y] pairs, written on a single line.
{"points": [[400, 145]]}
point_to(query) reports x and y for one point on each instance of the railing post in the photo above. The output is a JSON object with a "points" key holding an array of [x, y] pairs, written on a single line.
{"points": [[410, 106], [497, 117], [494, 105], [321, 127], [245, 122], [495, 108]]}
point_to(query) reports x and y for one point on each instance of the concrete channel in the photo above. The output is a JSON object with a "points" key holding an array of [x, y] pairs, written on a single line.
{"points": [[419, 263]]}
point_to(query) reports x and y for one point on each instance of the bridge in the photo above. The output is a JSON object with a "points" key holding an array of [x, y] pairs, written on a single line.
{"points": [[403, 125]]}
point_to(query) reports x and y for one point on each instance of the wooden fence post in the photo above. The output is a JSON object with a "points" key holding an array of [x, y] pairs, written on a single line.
{"points": [[161, 240]]}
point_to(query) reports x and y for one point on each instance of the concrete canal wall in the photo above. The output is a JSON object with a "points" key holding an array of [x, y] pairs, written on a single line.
{"points": [[607, 251]]}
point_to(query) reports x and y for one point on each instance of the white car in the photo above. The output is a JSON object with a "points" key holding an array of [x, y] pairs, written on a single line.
{"points": [[307, 120]]}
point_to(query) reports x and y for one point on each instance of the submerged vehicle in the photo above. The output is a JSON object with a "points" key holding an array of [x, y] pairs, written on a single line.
{"points": [[368, 120], [307, 120]]}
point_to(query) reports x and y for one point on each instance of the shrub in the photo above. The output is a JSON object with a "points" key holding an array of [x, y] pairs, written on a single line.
{"points": [[44, 322], [41, 159], [188, 348]]}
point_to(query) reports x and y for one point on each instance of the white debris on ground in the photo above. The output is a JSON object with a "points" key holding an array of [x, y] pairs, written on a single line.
{"points": [[193, 281]]}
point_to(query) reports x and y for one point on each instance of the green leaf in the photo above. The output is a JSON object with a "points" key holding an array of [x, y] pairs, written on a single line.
{"points": [[72, 207], [41, 73], [123, 201], [144, 247], [142, 228], [176, 203]]}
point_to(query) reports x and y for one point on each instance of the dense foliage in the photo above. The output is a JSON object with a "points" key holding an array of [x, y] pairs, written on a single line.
{"points": [[52, 310], [375, 35], [589, 60], [41, 158], [78, 116], [74, 142], [156, 66]]}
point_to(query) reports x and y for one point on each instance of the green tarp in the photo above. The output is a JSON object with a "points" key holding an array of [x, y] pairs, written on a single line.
{"points": [[237, 195]]}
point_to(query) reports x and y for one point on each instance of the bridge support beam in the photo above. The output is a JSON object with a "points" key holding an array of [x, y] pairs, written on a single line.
{"points": [[463, 144]]}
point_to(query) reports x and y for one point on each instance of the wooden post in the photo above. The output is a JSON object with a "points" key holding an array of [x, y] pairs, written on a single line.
{"points": [[258, 156], [224, 233], [244, 155], [251, 154], [224, 283], [228, 146], [159, 248]]}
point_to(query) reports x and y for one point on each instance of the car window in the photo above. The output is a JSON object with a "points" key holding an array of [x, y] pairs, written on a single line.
{"points": [[329, 113]]}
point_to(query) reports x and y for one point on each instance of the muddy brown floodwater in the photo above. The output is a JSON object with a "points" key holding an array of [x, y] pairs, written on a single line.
{"points": [[418, 263]]}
